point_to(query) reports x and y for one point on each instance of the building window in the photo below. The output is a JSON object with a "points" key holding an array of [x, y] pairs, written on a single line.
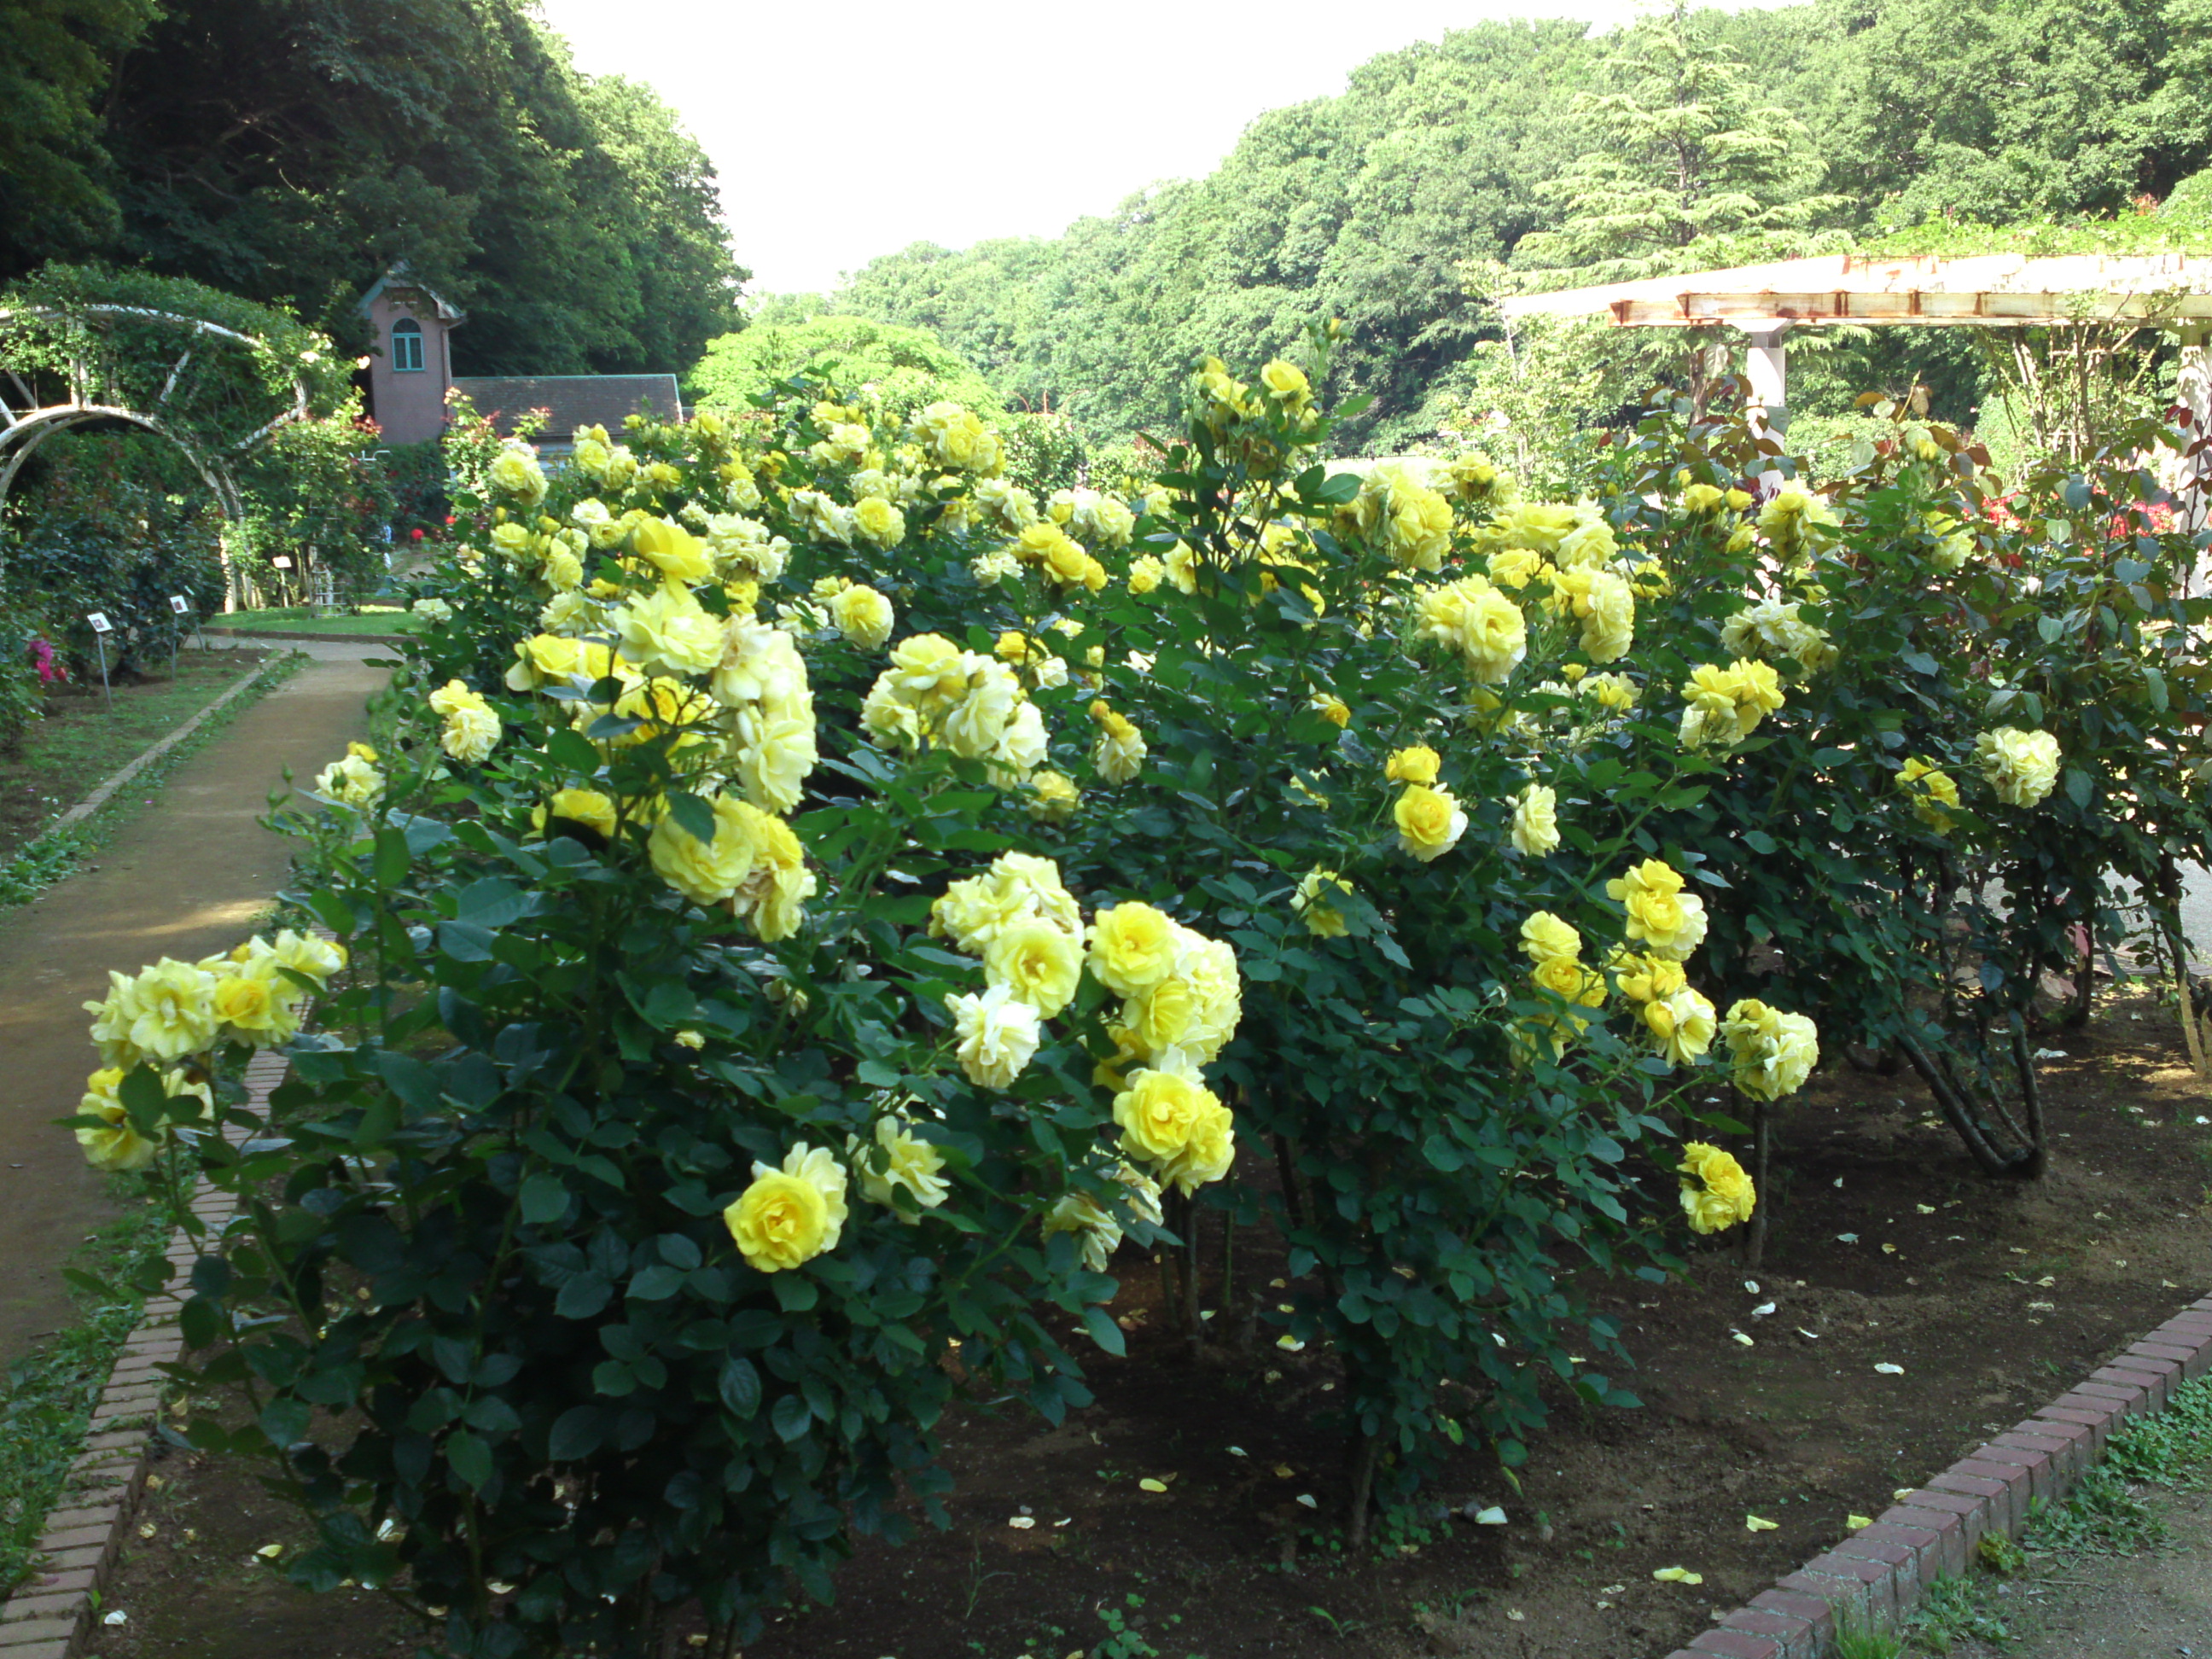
{"points": [[407, 345]]}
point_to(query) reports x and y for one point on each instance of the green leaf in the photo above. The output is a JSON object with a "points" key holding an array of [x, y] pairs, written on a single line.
{"points": [[471, 1459], [791, 1417], [739, 1386], [584, 1296], [1104, 1331], [544, 1199], [392, 859], [693, 813], [577, 1433]]}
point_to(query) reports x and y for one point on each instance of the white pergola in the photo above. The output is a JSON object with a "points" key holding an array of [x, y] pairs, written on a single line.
{"points": [[2169, 291]]}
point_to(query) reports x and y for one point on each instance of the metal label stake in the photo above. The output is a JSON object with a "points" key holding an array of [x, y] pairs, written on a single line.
{"points": [[101, 627]]}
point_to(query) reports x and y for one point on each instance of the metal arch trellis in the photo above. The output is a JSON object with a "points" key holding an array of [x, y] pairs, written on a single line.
{"points": [[26, 422]]}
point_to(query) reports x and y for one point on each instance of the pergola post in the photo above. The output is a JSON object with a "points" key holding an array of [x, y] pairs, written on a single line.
{"points": [[1766, 366], [2192, 388]]}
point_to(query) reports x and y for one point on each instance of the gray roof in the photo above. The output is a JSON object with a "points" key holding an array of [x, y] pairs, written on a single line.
{"points": [[571, 401]]}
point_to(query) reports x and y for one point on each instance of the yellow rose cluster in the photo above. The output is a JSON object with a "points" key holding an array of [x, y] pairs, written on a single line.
{"points": [[934, 693], [753, 864], [1472, 617], [1770, 1053], [1725, 705], [2022, 767], [353, 780], [1931, 792], [1716, 1194], [180, 1011], [471, 729], [1776, 628]]}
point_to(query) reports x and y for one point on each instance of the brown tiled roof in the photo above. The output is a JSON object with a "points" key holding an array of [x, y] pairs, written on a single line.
{"points": [[574, 401]]}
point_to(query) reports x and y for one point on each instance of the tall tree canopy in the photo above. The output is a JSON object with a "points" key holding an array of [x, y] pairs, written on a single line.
{"points": [[1541, 146], [289, 150]]}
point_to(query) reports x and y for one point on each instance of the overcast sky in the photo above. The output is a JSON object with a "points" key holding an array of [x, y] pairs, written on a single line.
{"points": [[845, 130]]}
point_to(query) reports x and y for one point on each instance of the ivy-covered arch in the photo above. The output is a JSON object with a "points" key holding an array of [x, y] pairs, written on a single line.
{"points": [[216, 375]]}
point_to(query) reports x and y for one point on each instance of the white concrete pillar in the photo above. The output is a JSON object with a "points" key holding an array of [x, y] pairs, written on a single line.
{"points": [[1766, 366], [2192, 389]]}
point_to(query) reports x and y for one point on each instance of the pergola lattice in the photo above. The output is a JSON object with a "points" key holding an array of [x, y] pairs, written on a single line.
{"points": [[95, 390], [2167, 291]]}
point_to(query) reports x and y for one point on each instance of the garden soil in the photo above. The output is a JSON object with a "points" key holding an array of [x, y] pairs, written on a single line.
{"points": [[1993, 1297], [185, 877]]}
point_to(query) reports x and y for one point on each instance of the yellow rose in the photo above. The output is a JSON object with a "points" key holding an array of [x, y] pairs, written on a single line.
{"points": [[1930, 791], [471, 733], [1287, 384], [1667, 922], [706, 871], [906, 1160], [589, 808], [1715, 1192], [1208, 1151], [1037, 962], [1416, 764], [1312, 901], [1429, 821], [778, 1222], [863, 616], [516, 472], [674, 551], [997, 1036], [2022, 767], [876, 521], [1545, 936], [1535, 822], [1157, 1111], [1132, 946], [118, 1145], [1680, 1025], [1054, 798], [1568, 980]]}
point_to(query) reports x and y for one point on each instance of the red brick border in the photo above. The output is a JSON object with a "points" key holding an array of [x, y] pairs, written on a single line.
{"points": [[51, 1615], [1876, 1574]]}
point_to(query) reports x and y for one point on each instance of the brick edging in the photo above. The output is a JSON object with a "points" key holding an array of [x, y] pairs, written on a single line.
{"points": [[1877, 1574], [51, 1615]]}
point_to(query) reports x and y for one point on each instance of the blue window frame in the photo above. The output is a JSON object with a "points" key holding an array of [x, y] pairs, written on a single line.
{"points": [[407, 345]]}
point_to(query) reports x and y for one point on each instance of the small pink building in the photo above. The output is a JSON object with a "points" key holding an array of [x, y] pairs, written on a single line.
{"points": [[410, 365]]}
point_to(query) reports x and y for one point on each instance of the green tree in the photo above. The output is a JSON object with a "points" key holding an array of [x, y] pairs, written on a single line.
{"points": [[1692, 167], [908, 367], [55, 59]]}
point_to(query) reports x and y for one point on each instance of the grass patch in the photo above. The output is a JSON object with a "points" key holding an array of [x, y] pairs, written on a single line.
{"points": [[300, 619], [1954, 1610], [47, 1399], [59, 767]]}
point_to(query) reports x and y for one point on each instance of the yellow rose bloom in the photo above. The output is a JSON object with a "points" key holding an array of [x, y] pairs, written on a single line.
{"points": [[1665, 920], [1416, 763], [1287, 384], [1037, 963], [1535, 831], [1133, 946], [1429, 821], [118, 1145], [778, 1222], [1568, 980], [674, 551], [1311, 901], [1715, 1192], [1930, 792], [997, 1036], [1157, 1111], [2021, 766], [1680, 1025], [589, 808], [863, 616], [1053, 797], [707, 873], [1771, 1053], [1545, 937], [877, 522], [907, 1162]]}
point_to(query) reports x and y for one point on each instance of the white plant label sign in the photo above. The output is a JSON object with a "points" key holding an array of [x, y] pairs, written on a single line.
{"points": [[100, 623]]}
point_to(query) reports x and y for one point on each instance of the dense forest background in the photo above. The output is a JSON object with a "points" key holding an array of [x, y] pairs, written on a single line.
{"points": [[289, 150], [1531, 155]]}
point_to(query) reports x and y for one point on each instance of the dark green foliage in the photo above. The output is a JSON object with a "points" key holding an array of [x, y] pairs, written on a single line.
{"points": [[56, 57], [289, 150]]}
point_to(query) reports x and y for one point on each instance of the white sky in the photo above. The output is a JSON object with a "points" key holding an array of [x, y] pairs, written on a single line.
{"points": [[851, 131]]}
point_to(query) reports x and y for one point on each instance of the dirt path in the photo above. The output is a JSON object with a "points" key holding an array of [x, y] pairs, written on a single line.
{"points": [[183, 879], [2153, 1606]]}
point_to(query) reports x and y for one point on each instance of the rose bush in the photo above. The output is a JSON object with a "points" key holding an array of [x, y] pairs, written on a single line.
{"points": [[825, 899]]}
